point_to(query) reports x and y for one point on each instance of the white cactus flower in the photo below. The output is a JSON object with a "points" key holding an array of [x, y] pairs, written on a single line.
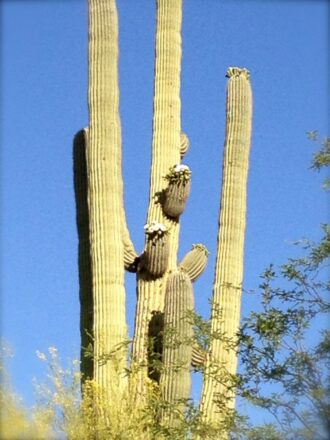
{"points": [[155, 227], [181, 167]]}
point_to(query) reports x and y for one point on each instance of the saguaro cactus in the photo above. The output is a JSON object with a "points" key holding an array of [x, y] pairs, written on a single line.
{"points": [[227, 288], [164, 288]]}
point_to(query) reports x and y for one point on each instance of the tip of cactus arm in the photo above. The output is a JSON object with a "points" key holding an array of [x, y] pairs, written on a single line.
{"points": [[237, 71], [201, 247]]}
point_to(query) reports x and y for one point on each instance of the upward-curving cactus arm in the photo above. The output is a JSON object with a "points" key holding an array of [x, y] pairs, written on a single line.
{"points": [[229, 263]]}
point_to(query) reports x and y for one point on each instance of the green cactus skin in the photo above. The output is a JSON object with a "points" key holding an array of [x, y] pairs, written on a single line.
{"points": [[176, 196], [230, 248], [195, 261], [84, 260], [175, 379], [105, 193], [165, 153], [155, 256], [184, 145]]}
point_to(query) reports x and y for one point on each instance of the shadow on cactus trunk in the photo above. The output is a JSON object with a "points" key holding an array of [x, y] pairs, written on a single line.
{"points": [[84, 259]]}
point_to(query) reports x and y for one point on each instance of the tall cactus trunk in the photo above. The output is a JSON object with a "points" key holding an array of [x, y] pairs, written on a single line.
{"points": [[165, 153], [217, 396], [105, 195]]}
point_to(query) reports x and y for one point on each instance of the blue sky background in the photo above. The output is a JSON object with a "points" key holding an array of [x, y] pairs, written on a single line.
{"points": [[44, 103]]}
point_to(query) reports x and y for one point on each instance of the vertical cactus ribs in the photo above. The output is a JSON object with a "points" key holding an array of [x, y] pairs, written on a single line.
{"points": [[195, 261], [155, 256], [165, 293], [177, 192], [178, 341]]}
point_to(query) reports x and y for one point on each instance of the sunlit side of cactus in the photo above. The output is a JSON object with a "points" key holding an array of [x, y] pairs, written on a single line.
{"points": [[105, 193], [227, 288], [164, 289], [165, 153]]}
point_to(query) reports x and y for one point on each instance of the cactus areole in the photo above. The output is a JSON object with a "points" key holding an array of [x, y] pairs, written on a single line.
{"points": [[164, 288]]}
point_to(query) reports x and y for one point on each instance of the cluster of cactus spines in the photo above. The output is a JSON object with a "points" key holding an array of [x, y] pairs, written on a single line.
{"points": [[227, 287], [184, 145], [178, 190], [177, 346], [165, 295], [84, 259], [195, 261]]}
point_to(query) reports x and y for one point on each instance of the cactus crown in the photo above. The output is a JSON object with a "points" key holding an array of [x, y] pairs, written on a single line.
{"points": [[201, 247], [178, 174], [237, 71]]}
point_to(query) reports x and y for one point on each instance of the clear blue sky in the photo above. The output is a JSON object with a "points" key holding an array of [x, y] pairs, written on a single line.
{"points": [[44, 102]]}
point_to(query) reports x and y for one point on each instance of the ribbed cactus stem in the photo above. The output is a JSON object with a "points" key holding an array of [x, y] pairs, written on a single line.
{"points": [[177, 345], [105, 193], [178, 190], [165, 153], [230, 248], [155, 256], [195, 261], [184, 145], [84, 260]]}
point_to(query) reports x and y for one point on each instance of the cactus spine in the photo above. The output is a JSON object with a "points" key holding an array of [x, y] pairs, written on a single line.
{"points": [[227, 286]]}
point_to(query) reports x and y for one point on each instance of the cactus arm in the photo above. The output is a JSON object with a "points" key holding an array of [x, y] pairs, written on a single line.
{"points": [[84, 260], [105, 190], [184, 144], [195, 261], [130, 255], [175, 379], [165, 153], [230, 248]]}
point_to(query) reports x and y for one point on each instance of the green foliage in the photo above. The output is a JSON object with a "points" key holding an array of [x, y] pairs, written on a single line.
{"points": [[321, 158], [285, 362], [281, 350]]}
